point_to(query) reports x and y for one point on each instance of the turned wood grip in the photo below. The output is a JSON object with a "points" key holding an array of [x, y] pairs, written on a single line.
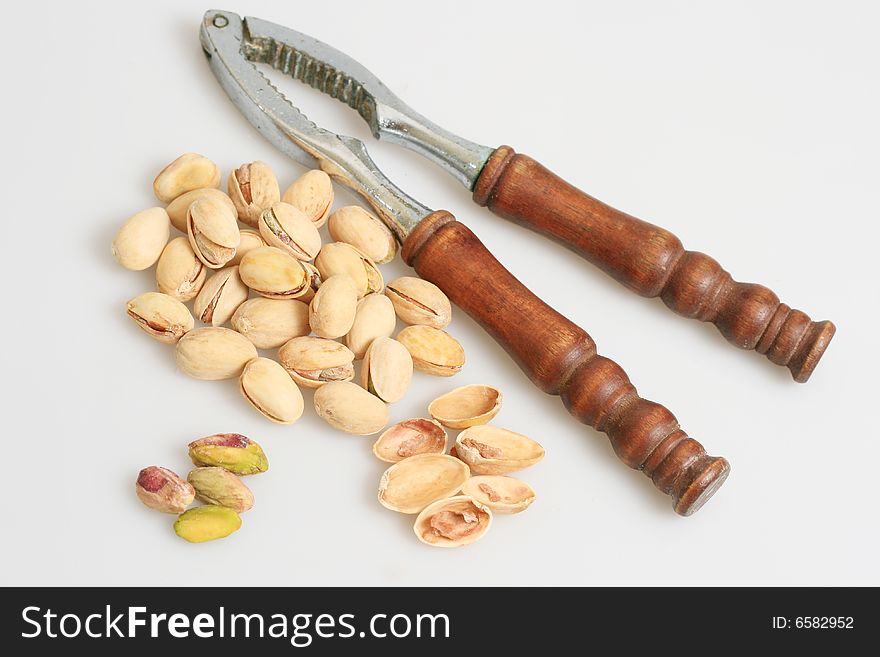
{"points": [[560, 358], [652, 262]]}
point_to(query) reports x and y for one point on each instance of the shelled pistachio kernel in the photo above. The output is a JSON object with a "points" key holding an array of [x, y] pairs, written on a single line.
{"points": [[350, 408], [220, 297], [178, 207], [312, 362], [501, 493], [364, 231], [253, 187], [248, 241], [312, 193], [220, 487], [332, 310], [160, 316], [163, 490], [188, 172], [274, 274], [213, 232], [387, 370], [413, 483], [232, 451], [179, 273], [341, 258], [433, 350], [213, 353], [267, 387], [374, 318], [496, 451], [269, 323], [417, 301], [140, 241], [466, 406], [288, 228], [409, 438], [206, 523], [453, 522]]}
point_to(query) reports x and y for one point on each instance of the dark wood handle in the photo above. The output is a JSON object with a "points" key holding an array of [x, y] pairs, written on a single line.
{"points": [[652, 262], [560, 358]]}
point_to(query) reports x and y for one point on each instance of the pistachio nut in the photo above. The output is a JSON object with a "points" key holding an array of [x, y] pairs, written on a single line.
{"points": [[373, 318], [453, 522], [188, 172], [500, 493], [387, 370], [312, 362], [248, 241], [214, 352], [313, 276], [272, 273], [341, 258], [364, 231], [433, 350], [332, 310], [179, 273], [220, 297], [417, 301], [163, 490], [160, 316], [466, 406], [269, 323], [220, 487], [206, 523], [409, 438], [267, 387], [253, 187], [140, 241], [495, 451], [312, 193], [288, 228], [231, 451], [350, 408], [177, 208], [213, 232], [413, 483]]}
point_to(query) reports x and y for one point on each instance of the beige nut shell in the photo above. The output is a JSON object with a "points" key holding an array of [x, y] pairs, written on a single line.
{"points": [[373, 318], [409, 438], [248, 241], [333, 308], [220, 297], [433, 350], [453, 522], [272, 273], [417, 301], [267, 387], [414, 483], [466, 406], [213, 232], [160, 316], [188, 172], [252, 187], [364, 231], [350, 408], [286, 227], [387, 370], [495, 451], [269, 323], [178, 207], [341, 258], [501, 493], [213, 353], [140, 241], [312, 193], [179, 273], [313, 362]]}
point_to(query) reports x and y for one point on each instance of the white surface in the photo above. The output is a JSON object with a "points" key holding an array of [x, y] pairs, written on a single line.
{"points": [[751, 132]]}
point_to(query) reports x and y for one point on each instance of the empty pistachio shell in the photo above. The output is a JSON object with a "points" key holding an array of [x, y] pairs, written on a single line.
{"points": [[341, 258], [269, 323], [214, 352], [178, 207], [453, 522], [213, 232], [220, 297], [433, 350], [417, 301], [408, 438], [163, 490], [140, 241], [312, 193], [493, 450], [160, 316], [189, 171], [364, 231], [374, 318], [272, 273], [220, 487], [312, 362], [232, 451], [179, 273], [253, 188], [288, 228], [249, 240], [500, 493], [313, 278], [387, 370], [332, 310], [207, 523], [466, 406], [268, 388], [350, 408], [413, 483]]}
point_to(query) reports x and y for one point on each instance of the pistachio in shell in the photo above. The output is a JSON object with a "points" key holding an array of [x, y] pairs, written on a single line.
{"points": [[409, 438], [341, 258], [495, 451], [213, 232], [213, 352], [313, 280], [267, 387], [269, 323], [350, 408], [364, 231], [332, 310], [248, 241], [220, 297], [387, 370], [177, 208], [253, 187], [218, 486], [313, 362], [206, 523], [433, 350], [288, 228], [160, 316], [374, 318], [500, 493], [188, 172], [274, 274], [140, 241], [312, 193], [417, 301], [163, 490], [466, 406], [413, 483], [453, 522], [179, 273], [231, 451]]}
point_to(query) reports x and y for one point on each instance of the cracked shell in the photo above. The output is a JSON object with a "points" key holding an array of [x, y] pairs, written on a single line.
{"points": [[188, 172], [350, 408], [500, 493], [177, 208], [466, 406], [253, 187], [179, 273], [160, 316], [274, 274], [313, 278], [213, 353], [288, 228], [433, 350], [232, 451], [341, 258], [333, 308], [220, 297], [312, 362], [364, 231], [213, 232], [163, 490], [312, 193], [414, 483], [267, 387], [496, 451], [417, 301], [206, 523], [269, 323], [249, 240], [140, 241], [409, 438], [387, 370], [453, 522], [218, 486]]}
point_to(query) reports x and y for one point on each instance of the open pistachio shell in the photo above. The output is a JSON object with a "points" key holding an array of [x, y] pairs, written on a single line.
{"points": [[249, 240], [212, 353], [350, 408], [466, 406], [274, 274], [433, 350], [500, 493], [160, 316], [387, 370], [373, 318], [189, 171], [179, 273], [269, 323], [409, 438], [413, 483], [341, 258], [364, 231], [288, 228], [253, 188], [453, 522], [493, 450], [213, 232], [313, 279], [312, 193], [312, 362], [332, 310], [178, 207], [268, 388], [417, 301], [140, 241], [220, 297]]}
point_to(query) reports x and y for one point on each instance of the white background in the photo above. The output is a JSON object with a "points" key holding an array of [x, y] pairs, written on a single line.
{"points": [[750, 131]]}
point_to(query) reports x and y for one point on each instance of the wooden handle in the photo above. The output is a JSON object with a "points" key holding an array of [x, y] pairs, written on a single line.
{"points": [[560, 358], [652, 262]]}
